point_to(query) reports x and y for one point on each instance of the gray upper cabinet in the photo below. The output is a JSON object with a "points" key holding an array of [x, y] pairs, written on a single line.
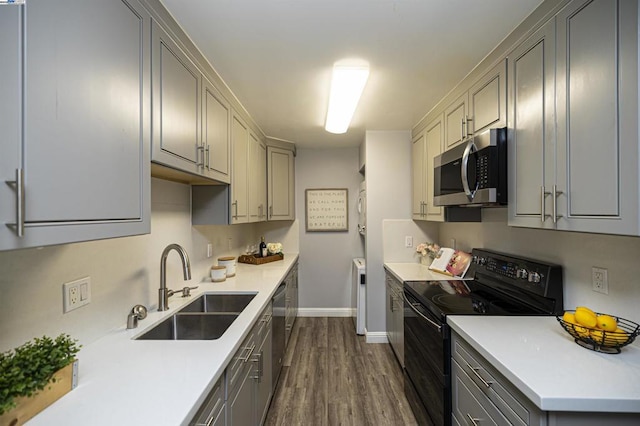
{"points": [[82, 113], [216, 137], [257, 179], [531, 127], [488, 100], [239, 183], [176, 105], [456, 121], [579, 71], [280, 184], [597, 116], [426, 146]]}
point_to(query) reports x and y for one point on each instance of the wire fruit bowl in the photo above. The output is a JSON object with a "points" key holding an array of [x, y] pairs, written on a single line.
{"points": [[609, 342]]}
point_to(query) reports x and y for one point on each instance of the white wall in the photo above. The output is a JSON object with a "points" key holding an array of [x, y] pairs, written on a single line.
{"points": [[394, 232], [123, 271], [388, 184], [576, 252], [326, 257]]}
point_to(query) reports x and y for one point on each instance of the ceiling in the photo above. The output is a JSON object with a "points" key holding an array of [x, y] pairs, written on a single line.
{"points": [[276, 56]]}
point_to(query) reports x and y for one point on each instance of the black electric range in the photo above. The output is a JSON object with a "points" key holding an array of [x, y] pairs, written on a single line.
{"points": [[498, 284]]}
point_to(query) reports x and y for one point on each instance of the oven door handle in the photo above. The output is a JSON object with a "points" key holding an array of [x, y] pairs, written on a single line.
{"points": [[413, 308], [464, 173]]}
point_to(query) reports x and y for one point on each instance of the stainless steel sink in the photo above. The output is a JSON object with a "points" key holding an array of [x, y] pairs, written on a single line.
{"points": [[191, 326], [219, 302]]}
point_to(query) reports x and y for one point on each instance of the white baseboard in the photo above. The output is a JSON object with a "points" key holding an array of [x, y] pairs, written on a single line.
{"points": [[377, 337], [325, 312]]}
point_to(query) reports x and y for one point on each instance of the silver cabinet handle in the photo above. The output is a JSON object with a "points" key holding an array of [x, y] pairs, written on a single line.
{"points": [[199, 149], [543, 206], [475, 372], [270, 211], [20, 211], [249, 350], [235, 203], [413, 308], [473, 421], [554, 194], [462, 132], [207, 157], [258, 359], [470, 148], [467, 120]]}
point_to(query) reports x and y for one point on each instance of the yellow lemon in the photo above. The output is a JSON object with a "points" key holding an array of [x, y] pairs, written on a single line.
{"points": [[619, 336], [584, 308], [606, 322], [569, 317], [586, 318]]}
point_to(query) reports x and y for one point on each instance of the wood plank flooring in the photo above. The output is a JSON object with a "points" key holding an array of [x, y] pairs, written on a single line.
{"points": [[331, 376]]}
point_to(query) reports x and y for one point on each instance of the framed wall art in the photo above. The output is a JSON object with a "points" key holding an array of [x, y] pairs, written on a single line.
{"points": [[327, 210]]}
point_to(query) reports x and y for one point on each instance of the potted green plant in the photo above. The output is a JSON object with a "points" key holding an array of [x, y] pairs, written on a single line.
{"points": [[34, 375]]}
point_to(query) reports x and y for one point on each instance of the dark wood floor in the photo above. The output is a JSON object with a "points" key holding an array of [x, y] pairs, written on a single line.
{"points": [[331, 376]]}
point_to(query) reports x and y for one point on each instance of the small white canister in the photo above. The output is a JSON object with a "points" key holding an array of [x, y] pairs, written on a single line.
{"points": [[228, 262], [218, 274]]}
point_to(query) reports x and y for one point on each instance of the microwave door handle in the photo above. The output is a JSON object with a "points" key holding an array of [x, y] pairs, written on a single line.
{"points": [[464, 172]]}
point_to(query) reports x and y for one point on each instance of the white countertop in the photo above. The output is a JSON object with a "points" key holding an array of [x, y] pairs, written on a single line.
{"points": [[554, 372], [143, 382], [415, 272]]}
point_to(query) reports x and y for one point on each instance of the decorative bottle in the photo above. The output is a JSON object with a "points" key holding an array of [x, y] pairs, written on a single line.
{"points": [[263, 248]]}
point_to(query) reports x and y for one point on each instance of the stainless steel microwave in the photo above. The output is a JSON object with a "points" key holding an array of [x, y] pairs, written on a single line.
{"points": [[473, 173]]}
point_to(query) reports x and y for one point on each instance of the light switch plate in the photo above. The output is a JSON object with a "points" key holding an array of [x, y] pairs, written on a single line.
{"points": [[408, 241]]}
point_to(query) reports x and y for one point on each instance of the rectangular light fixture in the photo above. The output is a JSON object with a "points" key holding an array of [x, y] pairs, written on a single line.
{"points": [[347, 85]]}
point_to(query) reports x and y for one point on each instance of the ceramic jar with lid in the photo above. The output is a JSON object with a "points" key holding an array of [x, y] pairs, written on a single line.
{"points": [[229, 262], [218, 274]]}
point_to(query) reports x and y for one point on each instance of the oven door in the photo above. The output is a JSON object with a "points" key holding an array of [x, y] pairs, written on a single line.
{"points": [[427, 364]]}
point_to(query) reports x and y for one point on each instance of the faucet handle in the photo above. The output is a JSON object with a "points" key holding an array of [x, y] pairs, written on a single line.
{"points": [[139, 312], [186, 291]]}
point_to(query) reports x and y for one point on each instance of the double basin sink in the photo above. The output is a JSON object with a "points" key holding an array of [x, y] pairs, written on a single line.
{"points": [[205, 318]]}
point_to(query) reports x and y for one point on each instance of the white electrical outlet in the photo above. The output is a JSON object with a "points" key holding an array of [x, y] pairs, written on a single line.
{"points": [[600, 280], [408, 241], [76, 294], [209, 250]]}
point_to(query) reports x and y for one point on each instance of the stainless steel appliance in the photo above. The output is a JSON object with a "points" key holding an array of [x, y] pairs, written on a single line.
{"points": [[501, 285], [278, 333], [474, 173]]}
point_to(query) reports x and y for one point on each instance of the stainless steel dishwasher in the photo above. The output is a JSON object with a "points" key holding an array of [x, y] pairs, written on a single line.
{"points": [[278, 330]]}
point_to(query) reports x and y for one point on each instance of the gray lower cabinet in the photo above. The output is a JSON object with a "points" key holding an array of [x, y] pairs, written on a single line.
{"points": [[483, 396], [213, 411], [247, 383], [572, 115], [291, 301], [72, 112], [395, 316]]}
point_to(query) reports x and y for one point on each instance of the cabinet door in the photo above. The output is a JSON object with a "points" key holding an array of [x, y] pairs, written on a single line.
{"points": [[455, 121], [257, 179], [216, 137], [280, 184], [241, 404], [418, 149], [264, 380], [531, 128], [86, 103], [597, 100], [176, 105], [434, 138], [488, 99], [239, 184]]}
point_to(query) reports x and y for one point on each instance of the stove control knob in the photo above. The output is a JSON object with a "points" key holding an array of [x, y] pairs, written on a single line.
{"points": [[482, 260], [534, 277], [522, 273]]}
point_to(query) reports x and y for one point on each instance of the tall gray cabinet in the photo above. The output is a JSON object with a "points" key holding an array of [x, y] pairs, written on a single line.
{"points": [[573, 117], [75, 120]]}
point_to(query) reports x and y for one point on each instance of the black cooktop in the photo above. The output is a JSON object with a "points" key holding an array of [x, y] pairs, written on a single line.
{"points": [[500, 284]]}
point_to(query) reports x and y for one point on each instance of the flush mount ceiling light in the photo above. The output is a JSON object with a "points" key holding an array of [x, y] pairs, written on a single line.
{"points": [[347, 85]]}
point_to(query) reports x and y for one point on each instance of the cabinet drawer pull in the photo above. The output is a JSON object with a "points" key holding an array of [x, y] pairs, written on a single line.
{"points": [[473, 421], [19, 186], [475, 372], [543, 206], [249, 352]]}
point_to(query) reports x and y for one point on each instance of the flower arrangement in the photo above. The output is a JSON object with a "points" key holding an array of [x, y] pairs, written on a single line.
{"points": [[428, 249], [274, 248]]}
